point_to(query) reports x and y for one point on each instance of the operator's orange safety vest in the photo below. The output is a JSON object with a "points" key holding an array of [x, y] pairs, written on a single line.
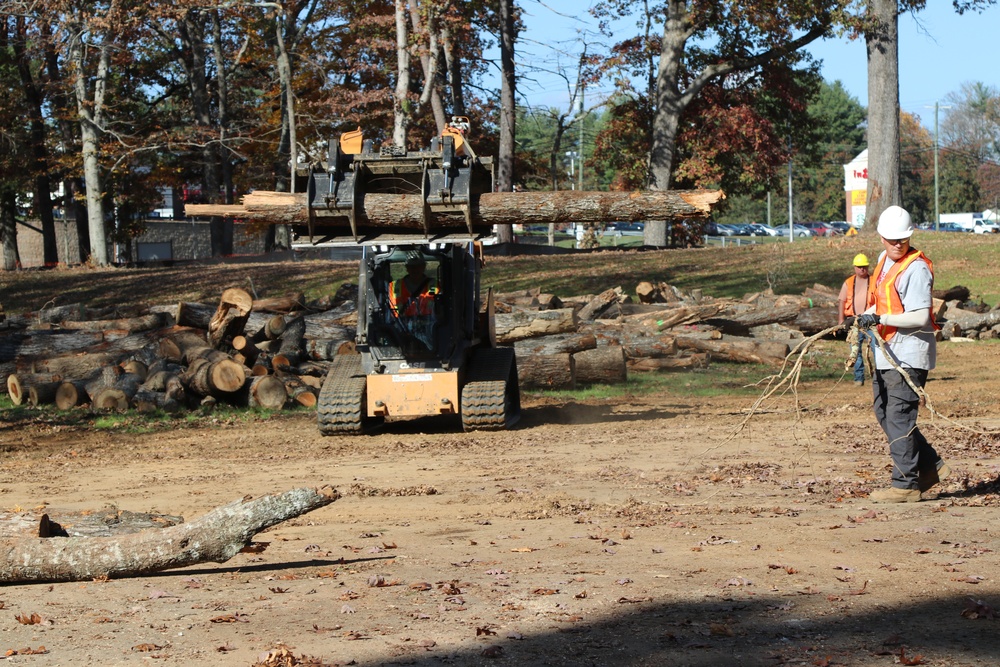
{"points": [[404, 304], [885, 296], [849, 303]]}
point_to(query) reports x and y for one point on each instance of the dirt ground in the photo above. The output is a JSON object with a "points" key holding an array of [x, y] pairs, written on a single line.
{"points": [[635, 532]]}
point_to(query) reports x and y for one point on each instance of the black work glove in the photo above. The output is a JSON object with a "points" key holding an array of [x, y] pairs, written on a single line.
{"points": [[868, 320], [849, 321]]}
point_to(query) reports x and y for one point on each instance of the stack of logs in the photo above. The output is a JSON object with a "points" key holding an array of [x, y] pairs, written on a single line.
{"points": [[266, 353], [275, 352]]}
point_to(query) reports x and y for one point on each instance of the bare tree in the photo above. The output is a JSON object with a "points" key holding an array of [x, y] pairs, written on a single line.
{"points": [[882, 41], [508, 89]]}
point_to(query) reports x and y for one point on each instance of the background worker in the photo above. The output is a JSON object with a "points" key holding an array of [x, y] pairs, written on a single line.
{"points": [[900, 308], [853, 300]]}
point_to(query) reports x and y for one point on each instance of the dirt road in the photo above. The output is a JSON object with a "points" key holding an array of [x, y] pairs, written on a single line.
{"points": [[632, 533]]}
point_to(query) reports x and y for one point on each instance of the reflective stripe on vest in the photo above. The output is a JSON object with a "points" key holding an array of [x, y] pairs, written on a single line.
{"points": [[885, 296]]}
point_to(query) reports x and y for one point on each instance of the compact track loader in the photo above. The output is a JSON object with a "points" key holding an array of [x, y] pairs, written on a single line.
{"points": [[433, 352]]}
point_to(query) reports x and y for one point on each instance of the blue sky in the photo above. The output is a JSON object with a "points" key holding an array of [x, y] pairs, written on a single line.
{"points": [[938, 52]]}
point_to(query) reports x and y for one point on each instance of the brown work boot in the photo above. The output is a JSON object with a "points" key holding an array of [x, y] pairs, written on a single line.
{"points": [[894, 495], [926, 480]]}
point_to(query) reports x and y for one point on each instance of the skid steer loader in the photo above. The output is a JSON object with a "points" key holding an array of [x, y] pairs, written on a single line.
{"points": [[433, 352]]}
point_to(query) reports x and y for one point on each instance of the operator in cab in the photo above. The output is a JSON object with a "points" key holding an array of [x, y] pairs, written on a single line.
{"points": [[411, 299]]}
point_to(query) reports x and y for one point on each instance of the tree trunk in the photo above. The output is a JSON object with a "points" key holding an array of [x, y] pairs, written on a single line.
{"points": [[216, 537], [325, 349], [394, 211], [547, 371], [129, 324], [602, 365], [19, 385], [569, 343], [884, 185], [267, 391], [70, 394], [508, 86], [739, 351], [281, 304], [596, 306], [649, 365], [521, 324], [10, 259]]}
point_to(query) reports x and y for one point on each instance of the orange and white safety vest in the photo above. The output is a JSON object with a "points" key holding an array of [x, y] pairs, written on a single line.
{"points": [[405, 304], [884, 294]]}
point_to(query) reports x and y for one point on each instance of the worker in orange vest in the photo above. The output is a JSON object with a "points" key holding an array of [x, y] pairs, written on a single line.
{"points": [[411, 298], [853, 300], [899, 307]]}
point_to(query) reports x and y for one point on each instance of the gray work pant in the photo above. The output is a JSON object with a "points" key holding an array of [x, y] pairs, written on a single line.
{"points": [[896, 407]]}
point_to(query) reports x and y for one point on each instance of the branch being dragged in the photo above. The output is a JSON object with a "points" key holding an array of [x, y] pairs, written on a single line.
{"points": [[214, 537]]}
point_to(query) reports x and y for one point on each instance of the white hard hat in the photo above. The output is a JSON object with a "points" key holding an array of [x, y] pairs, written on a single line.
{"points": [[895, 223]]}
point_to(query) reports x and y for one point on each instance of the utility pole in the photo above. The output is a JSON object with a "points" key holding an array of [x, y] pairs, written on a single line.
{"points": [[937, 192]]}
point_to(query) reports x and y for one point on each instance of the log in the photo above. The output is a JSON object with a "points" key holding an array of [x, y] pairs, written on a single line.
{"points": [[114, 396], [679, 316], [970, 321], [19, 385], [56, 314], [129, 324], [531, 298], [744, 352], [269, 327], [520, 324], [196, 315], [167, 382], [814, 320], [547, 371], [146, 400], [136, 367], [328, 324], [602, 365], [229, 317], [43, 393], [650, 365], [325, 349], [570, 343], [70, 394], [638, 346], [215, 537], [299, 392], [47, 343], [266, 391], [290, 347], [281, 305], [755, 317], [492, 208], [214, 378], [600, 302]]}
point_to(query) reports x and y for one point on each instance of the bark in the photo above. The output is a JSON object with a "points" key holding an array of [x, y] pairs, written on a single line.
{"points": [[215, 537], [299, 392], [508, 88], [882, 41], [46, 343], [739, 351], [196, 315], [599, 303], [694, 360], [520, 324], [378, 210], [19, 385], [9, 259], [220, 378], [43, 393], [570, 343], [129, 324], [547, 371], [602, 365], [529, 299], [813, 320], [56, 314], [281, 305], [69, 365], [90, 111], [290, 348], [325, 349]]}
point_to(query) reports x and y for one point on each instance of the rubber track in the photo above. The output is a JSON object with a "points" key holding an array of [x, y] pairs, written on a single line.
{"points": [[484, 406], [339, 407], [488, 403]]}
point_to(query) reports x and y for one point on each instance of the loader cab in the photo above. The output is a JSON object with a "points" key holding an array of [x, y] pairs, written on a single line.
{"points": [[420, 304]]}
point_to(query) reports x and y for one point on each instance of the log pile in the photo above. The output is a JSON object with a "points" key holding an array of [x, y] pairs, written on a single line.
{"points": [[275, 352], [269, 353]]}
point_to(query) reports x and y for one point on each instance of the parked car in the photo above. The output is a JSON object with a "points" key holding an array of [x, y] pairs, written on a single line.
{"points": [[986, 227], [764, 230], [627, 226], [802, 231], [717, 229], [741, 229], [841, 226], [951, 227], [820, 228]]}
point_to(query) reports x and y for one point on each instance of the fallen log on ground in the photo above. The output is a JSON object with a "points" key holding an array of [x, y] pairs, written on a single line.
{"points": [[230, 316], [491, 208], [547, 371], [521, 324], [601, 365], [215, 537], [769, 353]]}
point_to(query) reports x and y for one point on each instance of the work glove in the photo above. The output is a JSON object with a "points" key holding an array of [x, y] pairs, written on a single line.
{"points": [[867, 320], [849, 321]]}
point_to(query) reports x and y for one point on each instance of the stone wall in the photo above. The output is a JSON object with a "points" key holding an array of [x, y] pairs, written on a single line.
{"points": [[162, 240]]}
